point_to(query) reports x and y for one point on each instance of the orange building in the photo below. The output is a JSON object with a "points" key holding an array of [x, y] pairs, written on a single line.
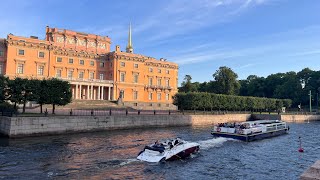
{"points": [[93, 71]]}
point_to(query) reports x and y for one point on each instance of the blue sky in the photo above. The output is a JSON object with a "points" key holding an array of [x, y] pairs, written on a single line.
{"points": [[257, 37]]}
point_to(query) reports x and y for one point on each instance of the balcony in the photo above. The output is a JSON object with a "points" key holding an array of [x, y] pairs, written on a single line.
{"points": [[87, 80], [159, 87]]}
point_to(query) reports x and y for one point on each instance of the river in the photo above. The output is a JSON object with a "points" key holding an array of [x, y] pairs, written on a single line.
{"points": [[112, 155]]}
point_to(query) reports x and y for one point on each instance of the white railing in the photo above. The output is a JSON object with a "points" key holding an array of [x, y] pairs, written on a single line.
{"points": [[87, 80]]}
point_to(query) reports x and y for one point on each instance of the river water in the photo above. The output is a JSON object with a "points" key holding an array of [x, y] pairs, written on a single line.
{"points": [[112, 155]]}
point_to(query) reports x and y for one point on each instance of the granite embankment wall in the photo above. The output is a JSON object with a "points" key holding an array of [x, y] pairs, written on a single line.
{"points": [[312, 173], [32, 126], [287, 118]]}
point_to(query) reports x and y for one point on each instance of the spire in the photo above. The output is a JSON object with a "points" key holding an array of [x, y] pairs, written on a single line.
{"points": [[129, 48]]}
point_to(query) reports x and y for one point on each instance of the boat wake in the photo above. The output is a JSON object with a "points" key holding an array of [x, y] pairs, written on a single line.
{"points": [[215, 142]]}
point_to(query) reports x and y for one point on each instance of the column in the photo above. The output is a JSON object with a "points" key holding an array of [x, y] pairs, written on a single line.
{"points": [[80, 91], [73, 93], [99, 95], [109, 94], [87, 93], [102, 93], [77, 85], [91, 92]]}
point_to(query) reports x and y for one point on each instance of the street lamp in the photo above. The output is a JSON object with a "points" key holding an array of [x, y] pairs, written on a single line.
{"points": [[303, 84]]}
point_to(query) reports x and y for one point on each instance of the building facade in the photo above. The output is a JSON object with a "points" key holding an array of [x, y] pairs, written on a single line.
{"points": [[94, 72]]}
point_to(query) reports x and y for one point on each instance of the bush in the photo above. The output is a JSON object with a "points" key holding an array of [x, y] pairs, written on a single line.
{"points": [[6, 107], [203, 100]]}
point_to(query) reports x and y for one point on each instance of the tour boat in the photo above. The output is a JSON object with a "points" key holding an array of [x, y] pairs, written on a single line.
{"points": [[168, 150], [251, 130]]}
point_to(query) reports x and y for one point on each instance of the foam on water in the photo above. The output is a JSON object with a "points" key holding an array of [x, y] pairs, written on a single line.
{"points": [[215, 142]]}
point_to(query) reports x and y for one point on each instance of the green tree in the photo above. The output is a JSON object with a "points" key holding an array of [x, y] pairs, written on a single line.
{"points": [[3, 88], [187, 85], [59, 93], [226, 81], [16, 90]]}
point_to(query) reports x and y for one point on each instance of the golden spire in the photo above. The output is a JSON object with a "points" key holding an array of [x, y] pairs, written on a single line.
{"points": [[129, 46]]}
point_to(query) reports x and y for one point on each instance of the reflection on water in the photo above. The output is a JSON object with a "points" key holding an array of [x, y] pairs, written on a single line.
{"points": [[112, 155]]}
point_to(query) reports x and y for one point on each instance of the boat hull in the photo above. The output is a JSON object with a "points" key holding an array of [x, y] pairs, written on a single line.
{"points": [[184, 154], [251, 137]]}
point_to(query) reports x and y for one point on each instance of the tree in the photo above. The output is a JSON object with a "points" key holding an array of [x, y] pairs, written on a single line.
{"points": [[226, 81], [187, 85], [3, 88], [59, 93], [16, 90]]}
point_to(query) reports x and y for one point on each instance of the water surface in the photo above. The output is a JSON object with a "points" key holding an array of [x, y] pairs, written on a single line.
{"points": [[112, 155]]}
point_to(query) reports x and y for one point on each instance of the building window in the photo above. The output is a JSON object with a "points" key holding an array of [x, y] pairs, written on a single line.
{"points": [[159, 70], [81, 62], [101, 64], [150, 81], [159, 82], [21, 52], [135, 95], [70, 74], [58, 73], [167, 82], [1, 68], [101, 76], [20, 68], [159, 96], [150, 95], [150, 70], [136, 65], [70, 61], [167, 97], [91, 75], [59, 59], [167, 71], [40, 70], [111, 64], [81, 74], [91, 63], [135, 78], [110, 75], [1, 54], [122, 76], [41, 54], [122, 64]]}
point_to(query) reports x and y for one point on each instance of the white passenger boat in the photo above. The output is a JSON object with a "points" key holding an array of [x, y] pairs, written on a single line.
{"points": [[250, 130], [168, 150]]}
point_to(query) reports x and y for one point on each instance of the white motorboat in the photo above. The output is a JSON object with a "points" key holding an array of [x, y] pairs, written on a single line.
{"points": [[168, 150]]}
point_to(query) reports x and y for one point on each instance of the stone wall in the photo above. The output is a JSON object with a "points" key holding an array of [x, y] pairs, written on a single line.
{"points": [[32, 126], [312, 173]]}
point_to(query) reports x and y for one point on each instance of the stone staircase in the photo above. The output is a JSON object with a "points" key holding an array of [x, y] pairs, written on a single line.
{"points": [[313, 173]]}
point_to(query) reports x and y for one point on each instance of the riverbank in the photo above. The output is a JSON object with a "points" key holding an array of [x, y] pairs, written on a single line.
{"points": [[36, 126]]}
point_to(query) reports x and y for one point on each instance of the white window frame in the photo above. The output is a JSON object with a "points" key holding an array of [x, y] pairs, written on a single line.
{"points": [[150, 81], [150, 96], [91, 75], [159, 96], [81, 60], [40, 71], [39, 54], [150, 70], [167, 97], [122, 77], [122, 64], [58, 75], [135, 95], [81, 73], [135, 78], [101, 64], [58, 58], [22, 51], [101, 76], [20, 69], [70, 74], [1, 53], [91, 63], [159, 81], [70, 59], [136, 66]]}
